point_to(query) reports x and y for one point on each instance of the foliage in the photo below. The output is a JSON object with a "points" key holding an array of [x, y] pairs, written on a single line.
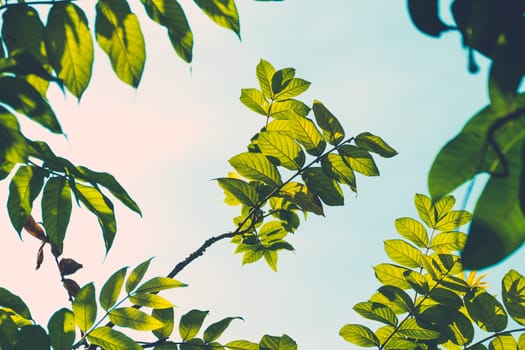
{"points": [[492, 141], [425, 301]]}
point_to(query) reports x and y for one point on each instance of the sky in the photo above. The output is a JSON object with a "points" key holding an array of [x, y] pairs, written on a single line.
{"points": [[168, 139]]}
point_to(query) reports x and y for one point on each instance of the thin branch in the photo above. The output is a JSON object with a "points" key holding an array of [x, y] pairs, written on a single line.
{"points": [[472, 346]]}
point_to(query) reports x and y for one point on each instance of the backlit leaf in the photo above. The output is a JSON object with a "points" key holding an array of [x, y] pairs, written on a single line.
{"points": [[61, 328], [135, 319], [110, 339], [13, 146], [118, 33], [156, 284], [392, 275], [395, 298], [215, 330], [56, 209], [446, 242], [443, 206], [359, 335], [425, 209], [336, 167], [241, 345], [485, 310], [332, 129], [503, 342], [255, 100], [111, 289], [190, 323], [25, 186], [323, 186], [283, 109], [255, 253], [513, 295], [136, 275], [373, 143], [300, 195], [446, 297], [295, 87], [306, 133], [269, 342], [403, 253], [222, 12], [256, 166], [281, 79], [411, 329], [453, 220], [242, 192], [85, 307], [70, 46], [150, 300], [412, 230], [265, 72], [283, 148], [166, 317], [377, 312], [359, 160]]}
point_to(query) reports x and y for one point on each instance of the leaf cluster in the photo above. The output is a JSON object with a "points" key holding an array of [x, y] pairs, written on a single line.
{"points": [[294, 165], [425, 301]]}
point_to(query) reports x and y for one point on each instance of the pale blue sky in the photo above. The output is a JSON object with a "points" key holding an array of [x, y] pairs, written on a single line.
{"points": [[168, 139]]}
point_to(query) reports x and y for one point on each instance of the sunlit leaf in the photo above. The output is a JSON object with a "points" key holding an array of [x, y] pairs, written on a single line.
{"points": [[485, 310], [136, 275], [13, 146], [150, 300], [56, 209], [61, 328], [265, 72], [453, 220], [307, 134], [336, 167], [411, 329], [15, 303], [446, 297], [295, 87], [85, 307], [377, 312], [111, 289], [8, 331], [425, 209], [513, 295], [156, 284], [269, 342], [118, 33], [412, 230], [253, 254], [395, 298], [376, 144], [70, 46], [359, 160], [283, 109], [25, 186], [443, 206], [256, 166], [135, 319], [503, 342], [359, 335], [392, 275], [110, 339], [241, 345], [255, 100], [271, 257], [403, 253], [282, 148], [323, 186], [448, 241], [215, 330], [190, 323], [281, 79], [166, 316], [300, 195], [271, 232], [222, 12], [241, 191], [332, 129]]}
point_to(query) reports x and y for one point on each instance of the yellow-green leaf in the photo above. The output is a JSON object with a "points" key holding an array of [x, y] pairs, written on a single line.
{"points": [[255, 100], [265, 72], [359, 160], [336, 167], [256, 166], [85, 307], [110, 339], [412, 230], [156, 284], [135, 319], [239, 192], [294, 87], [443, 206], [377, 312], [332, 129], [150, 300], [166, 316], [136, 275], [359, 335], [14, 147], [307, 134], [513, 295], [403, 253], [61, 328], [485, 310], [282, 148], [411, 329], [111, 289], [70, 46], [392, 275], [323, 186], [503, 342], [453, 220], [283, 109], [373, 143], [425, 209], [446, 242], [190, 323], [222, 12], [118, 33], [56, 209]]}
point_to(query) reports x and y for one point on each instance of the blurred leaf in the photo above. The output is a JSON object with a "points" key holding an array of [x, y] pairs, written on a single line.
{"points": [[118, 33], [56, 209], [392, 275], [190, 323], [503, 342], [166, 317], [403, 253], [485, 310], [25, 186], [255, 100], [425, 17], [215, 330], [332, 130], [156, 284], [222, 12], [265, 72], [108, 338], [135, 319], [85, 307], [377, 312], [136, 275], [412, 230], [70, 46], [256, 166], [32, 338], [150, 300], [283, 148], [321, 185], [111, 289], [61, 328], [306, 134], [15, 303], [359, 160], [359, 335]]}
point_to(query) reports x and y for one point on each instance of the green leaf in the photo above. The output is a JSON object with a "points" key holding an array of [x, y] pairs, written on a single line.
{"points": [[61, 328], [306, 134], [265, 72], [513, 295], [13, 146], [136, 275], [190, 323], [111, 289], [241, 345], [166, 317], [135, 319], [156, 284], [337, 168], [294, 87], [485, 310], [446, 297], [281, 79], [85, 307], [25, 186], [256, 166], [8, 331], [70, 46], [118, 33], [56, 209], [395, 298], [110, 339], [359, 160], [300, 195], [392, 275], [448, 241], [5, 169], [193, 344], [403, 253], [215, 330], [222, 12], [321, 185], [15, 303], [411, 329], [377, 312], [150, 300], [102, 207], [453, 220], [425, 209], [503, 342], [282, 148], [170, 14], [443, 206], [272, 232], [269, 342], [412, 230], [332, 129], [359, 335], [32, 338], [253, 253], [239, 192], [417, 281], [24, 99], [109, 182], [283, 109], [255, 100], [376, 144]]}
